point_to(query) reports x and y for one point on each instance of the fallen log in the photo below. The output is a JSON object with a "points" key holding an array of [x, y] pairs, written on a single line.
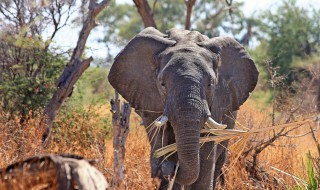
{"points": [[59, 172]]}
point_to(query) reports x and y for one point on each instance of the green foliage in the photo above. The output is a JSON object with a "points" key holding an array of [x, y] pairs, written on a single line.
{"points": [[313, 182], [92, 88], [169, 14], [312, 168], [262, 98], [259, 54], [28, 74], [122, 21], [29, 66], [213, 17], [290, 31], [313, 175]]}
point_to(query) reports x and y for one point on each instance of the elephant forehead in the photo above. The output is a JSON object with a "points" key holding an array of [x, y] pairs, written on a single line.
{"points": [[180, 35], [190, 49], [188, 53], [180, 65]]}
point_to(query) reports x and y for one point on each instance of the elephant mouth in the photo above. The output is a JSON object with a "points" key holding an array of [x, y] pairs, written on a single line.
{"points": [[210, 123]]}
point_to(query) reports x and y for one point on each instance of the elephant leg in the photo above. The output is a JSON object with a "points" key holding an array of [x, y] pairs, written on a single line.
{"points": [[158, 138], [221, 153], [171, 161], [219, 163]]}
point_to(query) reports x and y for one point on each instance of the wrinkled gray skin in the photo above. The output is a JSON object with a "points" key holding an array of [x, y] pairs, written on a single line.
{"points": [[187, 77]]}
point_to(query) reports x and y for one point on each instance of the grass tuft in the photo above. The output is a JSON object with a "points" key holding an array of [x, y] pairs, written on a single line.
{"points": [[227, 134]]}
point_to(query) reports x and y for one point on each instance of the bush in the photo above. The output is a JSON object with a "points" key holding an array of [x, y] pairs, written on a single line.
{"points": [[291, 31], [28, 74], [92, 88]]}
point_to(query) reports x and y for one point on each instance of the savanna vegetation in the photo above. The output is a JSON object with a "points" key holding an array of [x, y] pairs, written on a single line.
{"points": [[284, 42]]}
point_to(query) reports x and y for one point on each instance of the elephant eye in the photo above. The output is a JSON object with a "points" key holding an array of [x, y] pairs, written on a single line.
{"points": [[163, 84]]}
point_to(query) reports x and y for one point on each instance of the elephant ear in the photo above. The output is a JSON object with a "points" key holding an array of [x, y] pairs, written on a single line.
{"points": [[133, 73], [237, 74]]}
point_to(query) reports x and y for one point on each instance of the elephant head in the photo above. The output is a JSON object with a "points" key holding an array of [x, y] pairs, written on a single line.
{"points": [[186, 77]]}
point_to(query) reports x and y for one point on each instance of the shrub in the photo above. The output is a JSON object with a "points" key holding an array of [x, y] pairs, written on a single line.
{"points": [[27, 75]]}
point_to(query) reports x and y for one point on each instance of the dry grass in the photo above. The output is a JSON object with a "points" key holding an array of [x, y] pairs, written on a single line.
{"points": [[220, 135], [81, 133], [88, 133], [278, 161]]}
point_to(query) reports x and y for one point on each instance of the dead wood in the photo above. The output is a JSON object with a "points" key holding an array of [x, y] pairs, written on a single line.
{"points": [[120, 122], [58, 172]]}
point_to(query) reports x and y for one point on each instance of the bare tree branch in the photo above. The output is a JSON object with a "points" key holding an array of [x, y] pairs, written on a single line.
{"points": [[145, 13], [315, 140], [56, 22], [213, 17], [229, 2], [72, 72], [189, 4], [302, 100], [301, 135], [154, 5], [5, 12], [275, 80]]}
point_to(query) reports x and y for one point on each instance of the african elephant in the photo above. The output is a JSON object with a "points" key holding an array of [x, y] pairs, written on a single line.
{"points": [[188, 80]]}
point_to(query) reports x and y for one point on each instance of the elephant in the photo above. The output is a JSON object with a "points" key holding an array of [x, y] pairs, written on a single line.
{"points": [[187, 80]]}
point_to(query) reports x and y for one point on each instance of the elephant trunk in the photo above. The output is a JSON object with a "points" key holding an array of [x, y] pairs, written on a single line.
{"points": [[190, 114], [187, 139]]}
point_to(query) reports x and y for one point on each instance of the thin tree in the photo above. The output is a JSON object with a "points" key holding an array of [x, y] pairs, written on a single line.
{"points": [[72, 71], [28, 63], [189, 4]]}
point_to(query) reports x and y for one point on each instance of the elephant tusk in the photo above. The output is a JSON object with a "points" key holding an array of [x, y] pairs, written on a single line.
{"points": [[212, 124], [162, 121]]}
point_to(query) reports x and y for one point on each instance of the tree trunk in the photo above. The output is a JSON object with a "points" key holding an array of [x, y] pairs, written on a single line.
{"points": [[189, 4], [145, 13], [318, 101], [120, 122], [72, 72]]}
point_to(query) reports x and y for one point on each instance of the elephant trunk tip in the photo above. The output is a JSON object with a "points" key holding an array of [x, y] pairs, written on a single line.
{"points": [[187, 178], [169, 171]]}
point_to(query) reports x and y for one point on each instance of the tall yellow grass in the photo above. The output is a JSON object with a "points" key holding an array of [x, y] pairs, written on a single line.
{"points": [[88, 134]]}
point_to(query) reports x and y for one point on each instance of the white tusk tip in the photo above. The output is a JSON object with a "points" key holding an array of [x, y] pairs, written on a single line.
{"points": [[214, 125], [162, 121]]}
